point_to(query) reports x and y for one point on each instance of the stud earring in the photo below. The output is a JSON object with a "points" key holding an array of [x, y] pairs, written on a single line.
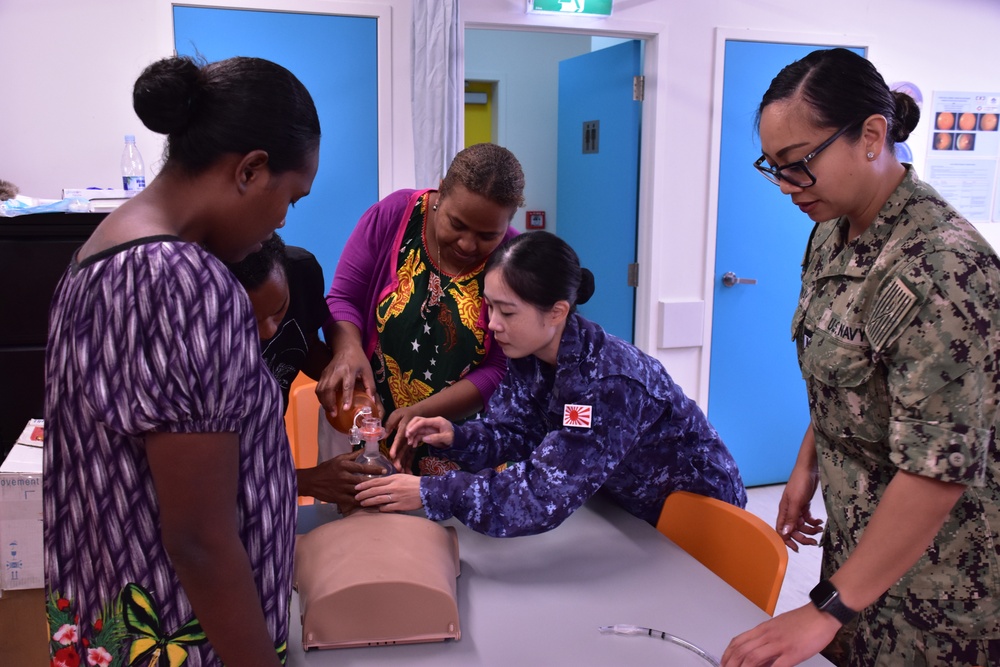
{"points": [[434, 208], [871, 156]]}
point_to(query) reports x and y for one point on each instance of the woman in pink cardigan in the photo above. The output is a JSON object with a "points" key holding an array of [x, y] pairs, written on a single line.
{"points": [[409, 321]]}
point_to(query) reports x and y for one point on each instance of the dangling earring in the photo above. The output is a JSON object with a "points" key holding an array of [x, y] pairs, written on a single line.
{"points": [[871, 156]]}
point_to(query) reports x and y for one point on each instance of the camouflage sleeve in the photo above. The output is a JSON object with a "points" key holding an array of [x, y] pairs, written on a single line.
{"points": [[932, 325], [510, 429], [566, 468]]}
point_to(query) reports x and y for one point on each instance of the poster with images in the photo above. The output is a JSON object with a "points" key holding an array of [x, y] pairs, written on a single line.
{"points": [[963, 152]]}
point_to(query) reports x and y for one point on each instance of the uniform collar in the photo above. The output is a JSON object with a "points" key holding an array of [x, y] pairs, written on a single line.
{"points": [[568, 371], [856, 258], [570, 344]]}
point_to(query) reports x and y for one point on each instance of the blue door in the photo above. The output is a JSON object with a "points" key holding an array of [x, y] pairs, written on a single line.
{"points": [[335, 58], [598, 179], [757, 398]]}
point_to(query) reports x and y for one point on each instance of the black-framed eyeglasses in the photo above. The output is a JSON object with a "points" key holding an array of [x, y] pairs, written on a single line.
{"points": [[796, 173]]}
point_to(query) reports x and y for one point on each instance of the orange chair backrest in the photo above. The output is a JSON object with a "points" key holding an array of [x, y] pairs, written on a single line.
{"points": [[735, 544], [302, 423]]}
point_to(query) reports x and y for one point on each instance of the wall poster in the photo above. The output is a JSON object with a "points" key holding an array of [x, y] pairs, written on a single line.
{"points": [[963, 152]]}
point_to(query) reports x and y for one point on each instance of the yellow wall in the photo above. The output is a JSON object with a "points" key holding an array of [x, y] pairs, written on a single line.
{"points": [[479, 117]]}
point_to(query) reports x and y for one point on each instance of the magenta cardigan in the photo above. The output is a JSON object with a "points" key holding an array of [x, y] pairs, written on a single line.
{"points": [[366, 273]]}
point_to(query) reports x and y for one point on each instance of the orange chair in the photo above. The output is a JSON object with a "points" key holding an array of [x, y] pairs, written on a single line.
{"points": [[302, 424], [733, 543], [300, 380]]}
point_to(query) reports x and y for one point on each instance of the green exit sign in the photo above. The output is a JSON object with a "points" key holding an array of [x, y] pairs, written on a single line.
{"points": [[575, 7]]}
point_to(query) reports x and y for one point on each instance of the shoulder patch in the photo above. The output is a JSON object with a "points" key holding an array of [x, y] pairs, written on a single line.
{"points": [[891, 308], [577, 415]]}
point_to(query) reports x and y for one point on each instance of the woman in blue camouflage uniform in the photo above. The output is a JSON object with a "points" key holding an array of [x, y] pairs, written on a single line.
{"points": [[897, 332], [579, 410]]}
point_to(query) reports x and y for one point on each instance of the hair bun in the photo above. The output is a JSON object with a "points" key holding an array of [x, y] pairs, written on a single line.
{"points": [[586, 288], [165, 94], [907, 116]]}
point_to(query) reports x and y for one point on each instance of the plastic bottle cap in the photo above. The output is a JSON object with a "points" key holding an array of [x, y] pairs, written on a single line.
{"points": [[130, 138]]}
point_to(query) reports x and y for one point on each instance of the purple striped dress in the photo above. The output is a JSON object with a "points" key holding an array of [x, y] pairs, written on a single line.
{"points": [[152, 336]]}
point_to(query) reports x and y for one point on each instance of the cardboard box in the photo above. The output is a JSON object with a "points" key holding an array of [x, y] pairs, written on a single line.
{"points": [[21, 564], [24, 630]]}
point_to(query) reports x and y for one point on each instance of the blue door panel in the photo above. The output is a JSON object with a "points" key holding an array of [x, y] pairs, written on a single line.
{"points": [[757, 398], [335, 58], [598, 192]]}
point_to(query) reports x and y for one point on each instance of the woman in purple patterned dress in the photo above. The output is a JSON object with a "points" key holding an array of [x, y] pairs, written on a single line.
{"points": [[169, 488]]}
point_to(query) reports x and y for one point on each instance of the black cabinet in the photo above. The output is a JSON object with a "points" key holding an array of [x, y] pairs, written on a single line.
{"points": [[34, 252]]}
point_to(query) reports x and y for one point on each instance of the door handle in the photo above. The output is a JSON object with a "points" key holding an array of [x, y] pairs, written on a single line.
{"points": [[729, 279]]}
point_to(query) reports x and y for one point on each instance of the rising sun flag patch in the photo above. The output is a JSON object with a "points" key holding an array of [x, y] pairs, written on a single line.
{"points": [[576, 415]]}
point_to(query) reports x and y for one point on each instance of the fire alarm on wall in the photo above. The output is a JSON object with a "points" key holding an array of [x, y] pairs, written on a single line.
{"points": [[534, 220]]}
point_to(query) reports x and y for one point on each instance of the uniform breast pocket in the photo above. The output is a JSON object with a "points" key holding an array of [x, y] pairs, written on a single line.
{"points": [[847, 390]]}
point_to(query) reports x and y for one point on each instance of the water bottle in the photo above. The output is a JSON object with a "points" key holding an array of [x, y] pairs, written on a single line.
{"points": [[133, 171]]}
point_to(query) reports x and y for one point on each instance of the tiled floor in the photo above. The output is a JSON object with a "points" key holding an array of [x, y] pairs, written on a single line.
{"points": [[803, 567]]}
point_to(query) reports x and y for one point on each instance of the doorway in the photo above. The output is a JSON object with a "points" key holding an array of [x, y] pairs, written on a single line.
{"points": [[480, 112], [523, 68]]}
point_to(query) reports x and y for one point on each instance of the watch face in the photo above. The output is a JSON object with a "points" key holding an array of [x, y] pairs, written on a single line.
{"points": [[822, 593], [827, 599]]}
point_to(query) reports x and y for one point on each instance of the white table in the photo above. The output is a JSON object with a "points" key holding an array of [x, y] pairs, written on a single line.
{"points": [[539, 600]]}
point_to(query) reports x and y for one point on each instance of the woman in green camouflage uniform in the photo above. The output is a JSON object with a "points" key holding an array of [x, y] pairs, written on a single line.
{"points": [[898, 332]]}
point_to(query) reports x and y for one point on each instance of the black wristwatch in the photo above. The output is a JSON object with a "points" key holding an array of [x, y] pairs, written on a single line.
{"points": [[826, 597]]}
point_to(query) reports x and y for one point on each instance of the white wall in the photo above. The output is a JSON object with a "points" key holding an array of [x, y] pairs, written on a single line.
{"points": [[923, 41], [66, 98], [67, 91], [526, 65], [69, 67]]}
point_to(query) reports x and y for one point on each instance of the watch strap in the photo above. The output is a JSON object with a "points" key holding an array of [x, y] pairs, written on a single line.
{"points": [[826, 597]]}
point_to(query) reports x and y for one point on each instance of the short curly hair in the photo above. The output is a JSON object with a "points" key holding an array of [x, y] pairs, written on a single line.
{"points": [[487, 170]]}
